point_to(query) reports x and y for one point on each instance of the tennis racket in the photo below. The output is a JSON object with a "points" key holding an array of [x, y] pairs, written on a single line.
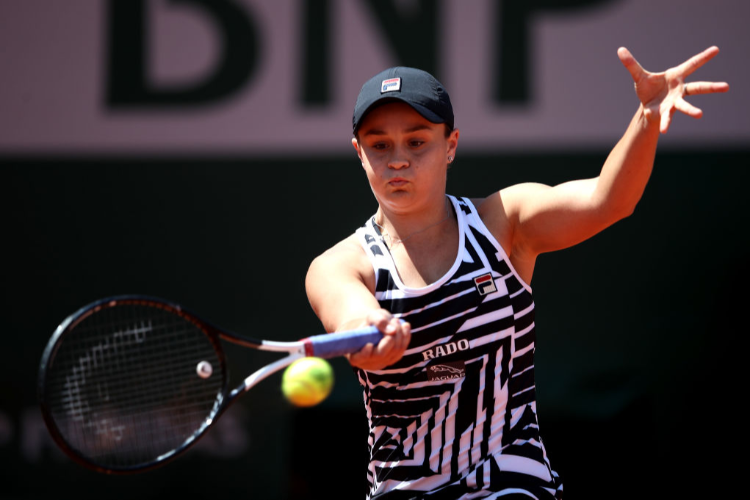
{"points": [[129, 383]]}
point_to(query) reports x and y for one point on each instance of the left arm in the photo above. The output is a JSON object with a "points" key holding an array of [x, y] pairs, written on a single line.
{"points": [[540, 218]]}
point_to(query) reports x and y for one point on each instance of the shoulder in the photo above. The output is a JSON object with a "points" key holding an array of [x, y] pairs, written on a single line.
{"points": [[508, 202], [345, 259], [345, 252], [502, 211]]}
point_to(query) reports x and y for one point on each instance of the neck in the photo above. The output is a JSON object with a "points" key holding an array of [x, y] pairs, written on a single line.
{"points": [[397, 229]]}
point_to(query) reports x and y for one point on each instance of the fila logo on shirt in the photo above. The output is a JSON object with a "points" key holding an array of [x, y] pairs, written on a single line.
{"points": [[390, 85], [485, 284]]}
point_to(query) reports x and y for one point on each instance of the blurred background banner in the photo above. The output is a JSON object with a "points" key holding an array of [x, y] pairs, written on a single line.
{"points": [[200, 151], [259, 77]]}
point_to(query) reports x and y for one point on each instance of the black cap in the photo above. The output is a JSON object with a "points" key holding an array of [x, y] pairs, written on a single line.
{"points": [[415, 87]]}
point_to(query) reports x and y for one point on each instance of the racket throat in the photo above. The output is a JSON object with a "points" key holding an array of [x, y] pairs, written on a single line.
{"points": [[267, 370]]}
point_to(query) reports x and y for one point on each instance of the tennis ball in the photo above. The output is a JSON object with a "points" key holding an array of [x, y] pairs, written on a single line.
{"points": [[307, 381]]}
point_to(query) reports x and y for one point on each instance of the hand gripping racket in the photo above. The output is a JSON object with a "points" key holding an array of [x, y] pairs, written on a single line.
{"points": [[128, 383]]}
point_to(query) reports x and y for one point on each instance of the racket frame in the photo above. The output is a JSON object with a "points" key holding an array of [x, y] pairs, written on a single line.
{"points": [[324, 345]]}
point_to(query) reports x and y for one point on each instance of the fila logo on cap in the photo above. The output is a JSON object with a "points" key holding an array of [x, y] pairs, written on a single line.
{"points": [[485, 284], [390, 85]]}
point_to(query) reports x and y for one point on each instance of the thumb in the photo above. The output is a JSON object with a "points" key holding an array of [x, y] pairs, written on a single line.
{"points": [[627, 60]]}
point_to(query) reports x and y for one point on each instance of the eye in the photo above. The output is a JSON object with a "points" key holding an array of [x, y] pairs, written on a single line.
{"points": [[379, 146], [416, 143]]}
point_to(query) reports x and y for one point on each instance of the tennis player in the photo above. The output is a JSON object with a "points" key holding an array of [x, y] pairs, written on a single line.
{"points": [[449, 392]]}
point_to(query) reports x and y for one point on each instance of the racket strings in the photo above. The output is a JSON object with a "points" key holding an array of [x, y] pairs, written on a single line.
{"points": [[139, 387], [127, 384]]}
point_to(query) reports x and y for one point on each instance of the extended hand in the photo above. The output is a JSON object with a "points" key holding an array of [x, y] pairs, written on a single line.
{"points": [[396, 336], [663, 93]]}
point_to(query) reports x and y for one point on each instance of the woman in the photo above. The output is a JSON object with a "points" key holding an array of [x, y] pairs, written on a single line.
{"points": [[449, 390]]}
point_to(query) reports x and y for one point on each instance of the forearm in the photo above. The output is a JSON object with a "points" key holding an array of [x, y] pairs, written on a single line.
{"points": [[628, 167], [340, 306]]}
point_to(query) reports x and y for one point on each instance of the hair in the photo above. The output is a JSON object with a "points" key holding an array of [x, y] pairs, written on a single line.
{"points": [[448, 131]]}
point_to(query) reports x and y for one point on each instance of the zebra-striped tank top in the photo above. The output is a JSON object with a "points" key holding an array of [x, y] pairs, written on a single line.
{"points": [[456, 416]]}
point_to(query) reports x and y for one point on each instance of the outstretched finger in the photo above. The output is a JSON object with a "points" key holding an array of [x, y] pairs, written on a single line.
{"points": [[697, 88], [666, 120], [633, 66], [698, 60], [685, 107]]}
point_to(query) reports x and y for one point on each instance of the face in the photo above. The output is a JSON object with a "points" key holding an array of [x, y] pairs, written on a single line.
{"points": [[405, 157]]}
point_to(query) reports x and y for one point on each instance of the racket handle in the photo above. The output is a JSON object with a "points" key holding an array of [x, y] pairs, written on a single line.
{"points": [[331, 345]]}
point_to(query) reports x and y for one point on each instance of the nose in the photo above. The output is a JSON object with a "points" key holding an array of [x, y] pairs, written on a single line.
{"points": [[399, 159]]}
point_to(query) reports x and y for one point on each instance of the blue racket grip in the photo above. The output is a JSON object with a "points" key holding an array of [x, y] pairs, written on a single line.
{"points": [[331, 345]]}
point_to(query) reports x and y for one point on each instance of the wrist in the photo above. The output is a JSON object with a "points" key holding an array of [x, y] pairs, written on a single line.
{"points": [[647, 119]]}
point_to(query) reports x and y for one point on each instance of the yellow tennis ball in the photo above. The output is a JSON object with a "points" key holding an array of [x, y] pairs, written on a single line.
{"points": [[307, 381]]}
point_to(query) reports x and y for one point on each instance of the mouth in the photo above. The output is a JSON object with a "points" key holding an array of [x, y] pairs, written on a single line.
{"points": [[397, 182]]}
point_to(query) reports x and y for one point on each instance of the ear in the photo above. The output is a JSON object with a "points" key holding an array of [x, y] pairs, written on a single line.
{"points": [[452, 142], [355, 143]]}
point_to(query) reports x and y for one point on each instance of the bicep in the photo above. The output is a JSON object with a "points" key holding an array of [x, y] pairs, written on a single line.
{"points": [[549, 218]]}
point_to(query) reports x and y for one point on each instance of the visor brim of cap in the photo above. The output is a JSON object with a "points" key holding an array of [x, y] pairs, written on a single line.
{"points": [[427, 114]]}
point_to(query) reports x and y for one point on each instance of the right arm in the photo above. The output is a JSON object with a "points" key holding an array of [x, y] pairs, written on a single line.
{"points": [[340, 286]]}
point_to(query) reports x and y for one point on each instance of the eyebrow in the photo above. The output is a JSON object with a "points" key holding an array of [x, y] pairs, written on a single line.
{"points": [[415, 128]]}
